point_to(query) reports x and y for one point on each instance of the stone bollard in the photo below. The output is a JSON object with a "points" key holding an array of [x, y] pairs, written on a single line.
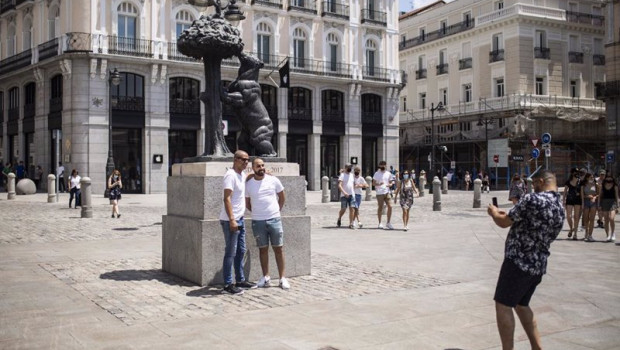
{"points": [[51, 188], [325, 189], [10, 185], [436, 194], [444, 185], [477, 190], [529, 185], [422, 182], [368, 189], [87, 205]]}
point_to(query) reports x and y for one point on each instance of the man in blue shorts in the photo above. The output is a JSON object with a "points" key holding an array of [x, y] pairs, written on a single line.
{"points": [[534, 223], [264, 197], [346, 185]]}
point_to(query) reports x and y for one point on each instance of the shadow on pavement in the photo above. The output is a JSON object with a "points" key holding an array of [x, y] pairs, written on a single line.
{"points": [[125, 229], [145, 275], [205, 292]]}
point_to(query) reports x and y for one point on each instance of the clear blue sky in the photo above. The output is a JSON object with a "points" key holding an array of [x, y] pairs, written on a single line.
{"points": [[405, 5]]}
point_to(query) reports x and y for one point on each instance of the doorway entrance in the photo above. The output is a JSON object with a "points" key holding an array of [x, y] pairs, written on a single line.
{"points": [[127, 148]]}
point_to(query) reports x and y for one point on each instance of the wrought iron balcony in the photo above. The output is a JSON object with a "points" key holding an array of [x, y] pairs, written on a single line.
{"points": [[585, 18], [270, 61], [181, 106], [269, 3], [542, 53], [128, 103], [299, 113], [496, 55], [79, 42], [420, 74], [56, 104], [319, 67], [7, 5], [14, 62], [372, 118], [375, 73], [332, 115], [13, 113], [129, 46], [332, 8], [465, 63], [437, 34], [48, 49], [175, 55], [307, 6], [374, 17], [442, 68], [29, 110], [598, 60], [575, 57]]}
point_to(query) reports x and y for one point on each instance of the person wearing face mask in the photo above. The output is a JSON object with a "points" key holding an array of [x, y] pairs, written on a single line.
{"points": [[589, 195], [406, 188], [572, 203], [381, 181], [608, 203], [346, 185], [115, 184], [359, 184]]}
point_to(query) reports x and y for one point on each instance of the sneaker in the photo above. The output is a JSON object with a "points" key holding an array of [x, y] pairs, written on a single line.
{"points": [[600, 224], [118, 216], [389, 226], [245, 285], [613, 237], [264, 282], [352, 227], [231, 289], [406, 228], [284, 283], [575, 237], [359, 225], [380, 226], [338, 223], [112, 216]]}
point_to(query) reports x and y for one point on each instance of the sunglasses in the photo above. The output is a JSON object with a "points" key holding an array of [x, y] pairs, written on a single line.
{"points": [[243, 159]]}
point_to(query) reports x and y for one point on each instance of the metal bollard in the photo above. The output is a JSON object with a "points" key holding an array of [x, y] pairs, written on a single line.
{"points": [[436, 194], [444, 185], [11, 186], [529, 185], [477, 190], [87, 207], [51, 188], [368, 189], [325, 189], [422, 182]]}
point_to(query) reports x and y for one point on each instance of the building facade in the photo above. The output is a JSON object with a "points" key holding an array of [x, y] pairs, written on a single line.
{"points": [[505, 72], [58, 103]]}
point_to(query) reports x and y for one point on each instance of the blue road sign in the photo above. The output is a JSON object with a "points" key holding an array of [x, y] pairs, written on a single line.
{"points": [[546, 137], [535, 153], [611, 157]]}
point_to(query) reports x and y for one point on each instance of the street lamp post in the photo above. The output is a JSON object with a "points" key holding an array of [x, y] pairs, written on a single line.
{"points": [[432, 161], [486, 121], [114, 80]]}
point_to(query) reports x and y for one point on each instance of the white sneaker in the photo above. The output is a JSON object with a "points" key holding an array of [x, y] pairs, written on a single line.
{"points": [[264, 282], [406, 228], [389, 226], [380, 226], [613, 237], [284, 283], [359, 225]]}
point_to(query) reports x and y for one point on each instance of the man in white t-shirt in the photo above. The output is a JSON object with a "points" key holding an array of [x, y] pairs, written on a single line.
{"points": [[231, 219], [264, 197], [346, 186], [381, 181], [360, 185]]}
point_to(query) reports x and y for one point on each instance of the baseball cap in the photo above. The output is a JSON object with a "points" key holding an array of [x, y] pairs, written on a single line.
{"points": [[602, 172]]}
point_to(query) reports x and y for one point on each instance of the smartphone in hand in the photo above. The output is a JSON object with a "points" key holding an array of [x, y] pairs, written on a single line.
{"points": [[495, 202]]}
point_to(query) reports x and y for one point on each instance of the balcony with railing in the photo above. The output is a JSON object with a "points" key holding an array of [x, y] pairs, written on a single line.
{"points": [[270, 61], [598, 60], [56, 104], [183, 106], [376, 74], [13, 114], [607, 90], [175, 55], [128, 103], [29, 110], [306, 6], [437, 34], [332, 8], [542, 53], [420, 74], [496, 55], [465, 63], [299, 113], [14, 62], [374, 17], [372, 118], [585, 18], [332, 115], [519, 9], [268, 3], [575, 57], [48, 49], [319, 67], [7, 5], [442, 68], [129, 46]]}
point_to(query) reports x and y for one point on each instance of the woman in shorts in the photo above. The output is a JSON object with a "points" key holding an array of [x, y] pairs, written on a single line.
{"points": [[406, 188], [572, 203], [517, 190], [589, 196], [115, 184], [609, 205]]}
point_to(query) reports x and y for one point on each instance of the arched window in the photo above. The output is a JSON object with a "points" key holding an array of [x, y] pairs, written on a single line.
{"points": [[56, 93], [53, 22], [299, 103], [333, 44], [184, 20], [129, 94], [27, 34], [332, 105], [299, 48], [371, 48], [371, 109], [29, 99], [127, 20], [263, 42], [184, 96], [11, 48]]}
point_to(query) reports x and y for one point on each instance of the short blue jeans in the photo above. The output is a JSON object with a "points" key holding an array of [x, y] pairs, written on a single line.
{"points": [[266, 231], [347, 202], [235, 252], [358, 200]]}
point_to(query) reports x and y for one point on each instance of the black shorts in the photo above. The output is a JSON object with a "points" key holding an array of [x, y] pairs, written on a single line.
{"points": [[515, 286]]}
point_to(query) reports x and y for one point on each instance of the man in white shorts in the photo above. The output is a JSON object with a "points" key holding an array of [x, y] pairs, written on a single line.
{"points": [[264, 197], [381, 181]]}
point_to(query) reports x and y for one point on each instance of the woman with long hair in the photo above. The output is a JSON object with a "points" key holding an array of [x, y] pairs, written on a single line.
{"points": [[74, 189], [115, 184], [572, 203], [589, 197], [406, 188], [608, 201]]}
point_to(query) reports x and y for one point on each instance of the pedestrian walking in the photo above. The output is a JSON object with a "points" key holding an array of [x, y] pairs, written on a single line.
{"points": [[608, 203], [406, 189], [381, 181], [534, 223], [60, 177], [5, 174], [599, 183], [38, 174], [346, 186], [74, 189], [20, 170], [359, 184], [572, 203], [485, 183], [115, 185], [589, 195], [231, 220], [467, 180], [264, 197], [517, 189]]}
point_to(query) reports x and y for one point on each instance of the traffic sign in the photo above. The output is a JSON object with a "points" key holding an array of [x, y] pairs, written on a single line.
{"points": [[517, 158], [547, 152], [546, 146], [546, 137], [535, 153], [534, 142], [496, 158], [611, 157]]}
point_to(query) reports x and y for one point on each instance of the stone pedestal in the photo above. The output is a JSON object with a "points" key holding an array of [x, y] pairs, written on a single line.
{"points": [[192, 237]]}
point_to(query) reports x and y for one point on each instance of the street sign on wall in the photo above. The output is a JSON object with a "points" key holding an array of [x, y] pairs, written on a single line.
{"points": [[500, 148]]}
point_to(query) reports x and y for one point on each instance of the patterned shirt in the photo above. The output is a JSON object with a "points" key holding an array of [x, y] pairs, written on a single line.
{"points": [[537, 221]]}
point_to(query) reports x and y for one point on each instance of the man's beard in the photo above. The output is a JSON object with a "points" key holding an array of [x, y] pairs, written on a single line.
{"points": [[260, 172]]}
